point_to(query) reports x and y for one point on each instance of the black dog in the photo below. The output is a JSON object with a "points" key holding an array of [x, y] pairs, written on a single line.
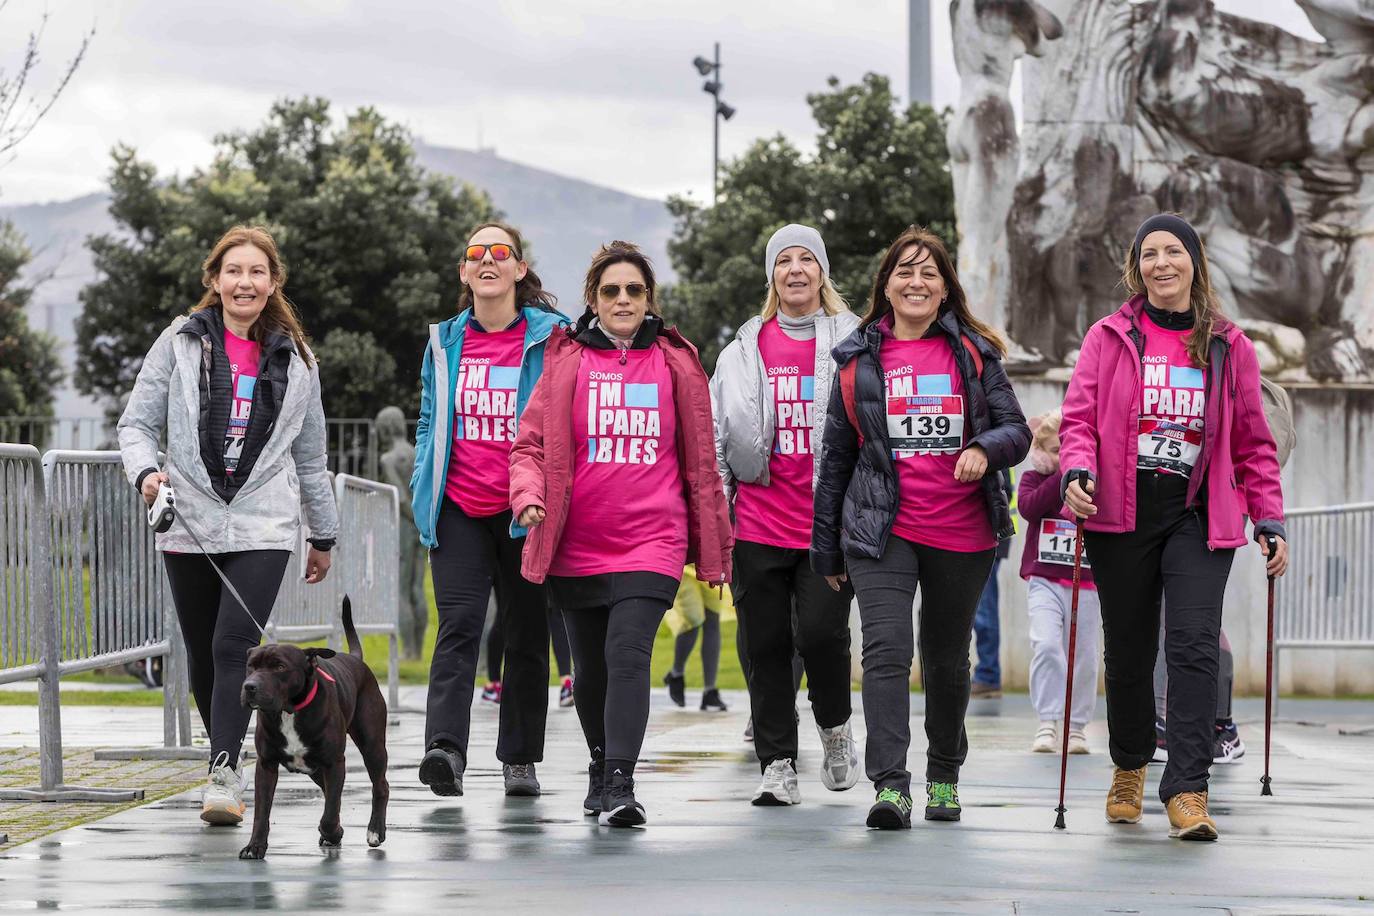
{"points": [[308, 701]]}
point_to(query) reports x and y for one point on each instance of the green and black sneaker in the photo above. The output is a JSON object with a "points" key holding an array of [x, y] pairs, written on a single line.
{"points": [[892, 811], [942, 801]]}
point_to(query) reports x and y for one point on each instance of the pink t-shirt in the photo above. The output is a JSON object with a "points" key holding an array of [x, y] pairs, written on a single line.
{"points": [[628, 511], [484, 420], [244, 356], [780, 514], [926, 430], [1171, 404]]}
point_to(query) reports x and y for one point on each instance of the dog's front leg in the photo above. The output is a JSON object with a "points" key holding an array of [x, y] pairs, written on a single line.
{"points": [[264, 789], [331, 831]]}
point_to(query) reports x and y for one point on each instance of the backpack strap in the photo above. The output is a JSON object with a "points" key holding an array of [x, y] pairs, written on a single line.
{"points": [[847, 392], [973, 352]]}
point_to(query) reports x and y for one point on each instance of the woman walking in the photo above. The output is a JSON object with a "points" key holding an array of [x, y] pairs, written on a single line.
{"points": [[920, 421], [1163, 416], [614, 471], [236, 392], [770, 392], [479, 370]]}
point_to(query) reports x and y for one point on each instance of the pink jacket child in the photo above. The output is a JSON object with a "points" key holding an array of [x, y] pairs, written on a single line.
{"points": [[1238, 461], [541, 470]]}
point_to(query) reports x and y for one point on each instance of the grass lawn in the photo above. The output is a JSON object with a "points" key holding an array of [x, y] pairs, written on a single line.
{"points": [[412, 672]]}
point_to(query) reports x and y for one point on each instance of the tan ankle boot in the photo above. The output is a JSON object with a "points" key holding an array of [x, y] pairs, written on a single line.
{"points": [[1126, 797], [1188, 818]]}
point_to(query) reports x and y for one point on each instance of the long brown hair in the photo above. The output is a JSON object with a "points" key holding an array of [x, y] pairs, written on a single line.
{"points": [[529, 290], [617, 252], [925, 240], [1202, 300], [279, 314]]}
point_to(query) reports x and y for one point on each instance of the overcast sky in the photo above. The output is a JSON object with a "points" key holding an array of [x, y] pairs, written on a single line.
{"points": [[595, 89]]}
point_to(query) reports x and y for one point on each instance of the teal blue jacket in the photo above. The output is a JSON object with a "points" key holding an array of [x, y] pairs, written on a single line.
{"points": [[434, 433]]}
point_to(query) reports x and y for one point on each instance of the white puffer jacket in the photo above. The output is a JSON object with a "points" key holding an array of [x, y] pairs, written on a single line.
{"points": [[290, 473], [745, 423]]}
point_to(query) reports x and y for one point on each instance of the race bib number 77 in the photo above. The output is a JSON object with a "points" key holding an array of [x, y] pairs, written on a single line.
{"points": [[930, 423]]}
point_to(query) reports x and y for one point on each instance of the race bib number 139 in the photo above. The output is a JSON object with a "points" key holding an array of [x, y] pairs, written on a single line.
{"points": [[933, 423]]}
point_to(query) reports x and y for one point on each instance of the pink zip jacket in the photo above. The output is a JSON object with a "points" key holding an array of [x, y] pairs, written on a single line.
{"points": [[541, 465], [1102, 412]]}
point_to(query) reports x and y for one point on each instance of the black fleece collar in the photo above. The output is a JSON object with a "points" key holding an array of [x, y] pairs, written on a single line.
{"points": [[590, 335], [210, 323]]}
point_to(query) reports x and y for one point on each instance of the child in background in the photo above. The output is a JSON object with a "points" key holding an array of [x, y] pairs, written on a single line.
{"points": [[1047, 567], [697, 607]]}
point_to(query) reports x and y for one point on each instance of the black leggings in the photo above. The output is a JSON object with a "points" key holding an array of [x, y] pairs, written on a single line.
{"points": [[473, 556], [710, 649], [612, 645], [219, 634], [1166, 555]]}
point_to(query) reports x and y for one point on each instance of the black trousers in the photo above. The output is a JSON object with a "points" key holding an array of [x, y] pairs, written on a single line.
{"points": [[1166, 555], [612, 620], [219, 634], [473, 556], [951, 583], [784, 609]]}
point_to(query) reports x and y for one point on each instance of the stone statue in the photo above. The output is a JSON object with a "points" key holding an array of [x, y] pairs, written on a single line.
{"points": [[397, 462], [984, 149], [1265, 141]]}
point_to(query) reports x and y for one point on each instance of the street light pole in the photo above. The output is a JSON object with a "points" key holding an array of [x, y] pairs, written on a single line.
{"points": [[719, 111], [715, 131]]}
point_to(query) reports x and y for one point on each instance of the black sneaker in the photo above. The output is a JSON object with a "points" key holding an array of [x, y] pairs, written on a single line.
{"points": [[618, 805], [677, 688], [1161, 743], [892, 811], [711, 700], [596, 787], [520, 780], [1227, 746], [442, 770]]}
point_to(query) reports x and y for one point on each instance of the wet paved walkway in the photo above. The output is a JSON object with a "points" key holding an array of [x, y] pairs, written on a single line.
{"points": [[1309, 849]]}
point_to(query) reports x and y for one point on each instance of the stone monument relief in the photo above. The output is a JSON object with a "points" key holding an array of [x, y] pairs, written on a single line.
{"points": [[1263, 140]]}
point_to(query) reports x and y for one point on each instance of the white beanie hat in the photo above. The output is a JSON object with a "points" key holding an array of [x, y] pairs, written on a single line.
{"points": [[794, 234]]}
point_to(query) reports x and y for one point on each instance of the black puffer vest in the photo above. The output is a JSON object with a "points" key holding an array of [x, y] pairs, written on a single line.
{"points": [[856, 491], [216, 398]]}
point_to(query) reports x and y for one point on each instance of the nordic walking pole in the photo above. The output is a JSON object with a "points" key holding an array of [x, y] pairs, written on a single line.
{"points": [[1269, 678], [1073, 643]]}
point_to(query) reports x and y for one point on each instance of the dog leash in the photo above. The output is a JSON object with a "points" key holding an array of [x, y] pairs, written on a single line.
{"points": [[160, 515]]}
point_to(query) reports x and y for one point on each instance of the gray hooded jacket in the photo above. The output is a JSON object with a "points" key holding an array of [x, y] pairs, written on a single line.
{"points": [[744, 418], [289, 474]]}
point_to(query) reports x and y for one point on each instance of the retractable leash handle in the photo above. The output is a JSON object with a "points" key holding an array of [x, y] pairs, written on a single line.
{"points": [[1082, 478], [1273, 544]]}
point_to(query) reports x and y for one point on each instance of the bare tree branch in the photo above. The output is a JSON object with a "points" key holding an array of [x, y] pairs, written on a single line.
{"points": [[20, 110]]}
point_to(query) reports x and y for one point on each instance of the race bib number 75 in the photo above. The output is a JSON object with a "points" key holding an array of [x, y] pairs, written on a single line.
{"points": [[1170, 447], [930, 423]]}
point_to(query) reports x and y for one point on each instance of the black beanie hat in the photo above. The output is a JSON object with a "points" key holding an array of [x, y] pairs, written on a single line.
{"points": [[1177, 225]]}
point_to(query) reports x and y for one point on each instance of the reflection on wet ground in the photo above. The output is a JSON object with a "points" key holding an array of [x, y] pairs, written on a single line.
{"points": [[706, 849]]}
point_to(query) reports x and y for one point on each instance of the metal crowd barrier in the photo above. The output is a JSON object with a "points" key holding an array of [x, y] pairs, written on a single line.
{"points": [[1327, 599], [368, 564], [81, 590]]}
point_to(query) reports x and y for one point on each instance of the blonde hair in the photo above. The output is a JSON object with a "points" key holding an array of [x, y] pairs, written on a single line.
{"points": [[1202, 299], [1047, 429], [832, 300], [279, 314]]}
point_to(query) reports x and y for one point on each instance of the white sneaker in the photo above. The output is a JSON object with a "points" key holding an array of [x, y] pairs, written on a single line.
{"points": [[1078, 742], [222, 803], [779, 785], [840, 757], [1046, 738]]}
